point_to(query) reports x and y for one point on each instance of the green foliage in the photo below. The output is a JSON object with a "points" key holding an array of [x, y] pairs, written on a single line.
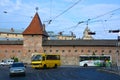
{"points": [[15, 59], [102, 54]]}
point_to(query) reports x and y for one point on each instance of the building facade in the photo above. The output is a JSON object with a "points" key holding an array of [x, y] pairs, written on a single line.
{"points": [[35, 39]]}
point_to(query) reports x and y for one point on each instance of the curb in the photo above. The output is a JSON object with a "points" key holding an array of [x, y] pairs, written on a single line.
{"points": [[109, 71]]}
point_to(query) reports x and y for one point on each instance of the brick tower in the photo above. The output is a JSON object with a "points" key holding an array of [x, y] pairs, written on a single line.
{"points": [[33, 37]]}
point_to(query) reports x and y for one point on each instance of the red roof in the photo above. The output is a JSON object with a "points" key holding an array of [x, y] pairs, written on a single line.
{"points": [[35, 27]]}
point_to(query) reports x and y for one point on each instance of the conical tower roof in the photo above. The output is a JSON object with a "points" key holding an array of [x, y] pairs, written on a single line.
{"points": [[35, 27]]}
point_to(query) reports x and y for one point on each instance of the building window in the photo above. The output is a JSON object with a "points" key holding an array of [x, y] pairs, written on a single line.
{"points": [[50, 50], [69, 50], [44, 50], [35, 50], [6, 51], [110, 51], [75, 50], [63, 50], [29, 50], [13, 51], [15, 34], [19, 51], [88, 50], [117, 51], [95, 51], [102, 51], [56, 50], [82, 50]]}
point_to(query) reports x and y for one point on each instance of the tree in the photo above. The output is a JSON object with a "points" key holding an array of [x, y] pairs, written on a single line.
{"points": [[15, 59]]}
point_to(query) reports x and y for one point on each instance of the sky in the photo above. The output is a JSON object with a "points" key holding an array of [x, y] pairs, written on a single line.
{"points": [[65, 16]]}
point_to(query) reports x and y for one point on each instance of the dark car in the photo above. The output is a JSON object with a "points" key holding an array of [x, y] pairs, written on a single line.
{"points": [[17, 68]]}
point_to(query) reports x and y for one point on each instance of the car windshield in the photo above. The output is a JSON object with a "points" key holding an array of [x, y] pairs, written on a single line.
{"points": [[36, 57], [18, 65]]}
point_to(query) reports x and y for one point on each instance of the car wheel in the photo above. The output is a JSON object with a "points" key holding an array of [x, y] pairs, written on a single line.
{"points": [[85, 65], [44, 67], [24, 74], [55, 66], [10, 75]]}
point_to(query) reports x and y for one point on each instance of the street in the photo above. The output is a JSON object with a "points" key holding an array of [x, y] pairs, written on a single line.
{"points": [[61, 73]]}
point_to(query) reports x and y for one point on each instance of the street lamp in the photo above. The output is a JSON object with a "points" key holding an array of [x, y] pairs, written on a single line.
{"points": [[91, 33]]}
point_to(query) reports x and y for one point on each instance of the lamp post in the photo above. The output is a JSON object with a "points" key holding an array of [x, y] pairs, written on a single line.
{"points": [[118, 45], [118, 51]]}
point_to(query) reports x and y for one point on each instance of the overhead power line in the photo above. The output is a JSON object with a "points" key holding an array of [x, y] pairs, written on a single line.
{"points": [[92, 20], [67, 9], [64, 11], [105, 13], [88, 20]]}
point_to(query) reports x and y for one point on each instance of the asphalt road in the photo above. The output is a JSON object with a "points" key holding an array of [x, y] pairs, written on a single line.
{"points": [[61, 73]]}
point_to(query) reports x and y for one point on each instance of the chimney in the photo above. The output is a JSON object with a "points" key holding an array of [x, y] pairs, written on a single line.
{"points": [[61, 33], [43, 27], [72, 33]]}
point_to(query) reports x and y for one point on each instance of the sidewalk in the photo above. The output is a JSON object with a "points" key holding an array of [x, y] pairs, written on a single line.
{"points": [[114, 70]]}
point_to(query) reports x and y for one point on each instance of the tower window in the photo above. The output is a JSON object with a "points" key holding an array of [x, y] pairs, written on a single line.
{"points": [[29, 50], [32, 35]]}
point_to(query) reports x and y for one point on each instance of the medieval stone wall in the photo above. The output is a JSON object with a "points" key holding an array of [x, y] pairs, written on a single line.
{"points": [[9, 51], [70, 55]]}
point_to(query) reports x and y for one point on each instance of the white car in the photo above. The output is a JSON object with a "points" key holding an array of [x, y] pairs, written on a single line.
{"points": [[17, 68], [2, 63], [7, 62]]}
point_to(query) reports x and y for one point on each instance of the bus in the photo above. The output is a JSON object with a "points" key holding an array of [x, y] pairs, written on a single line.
{"points": [[42, 60], [94, 60]]}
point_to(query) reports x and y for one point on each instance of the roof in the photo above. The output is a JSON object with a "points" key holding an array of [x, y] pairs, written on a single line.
{"points": [[35, 27], [10, 42], [105, 43], [9, 31], [79, 43], [11, 39]]}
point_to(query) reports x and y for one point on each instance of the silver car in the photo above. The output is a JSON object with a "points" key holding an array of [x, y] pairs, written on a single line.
{"points": [[17, 68]]}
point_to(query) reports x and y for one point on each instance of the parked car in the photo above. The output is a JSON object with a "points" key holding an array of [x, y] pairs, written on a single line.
{"points": [[17, 68], [7, 62]]}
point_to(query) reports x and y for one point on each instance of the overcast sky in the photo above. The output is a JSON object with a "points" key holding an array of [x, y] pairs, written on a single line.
{"points": [[103, 15]]}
